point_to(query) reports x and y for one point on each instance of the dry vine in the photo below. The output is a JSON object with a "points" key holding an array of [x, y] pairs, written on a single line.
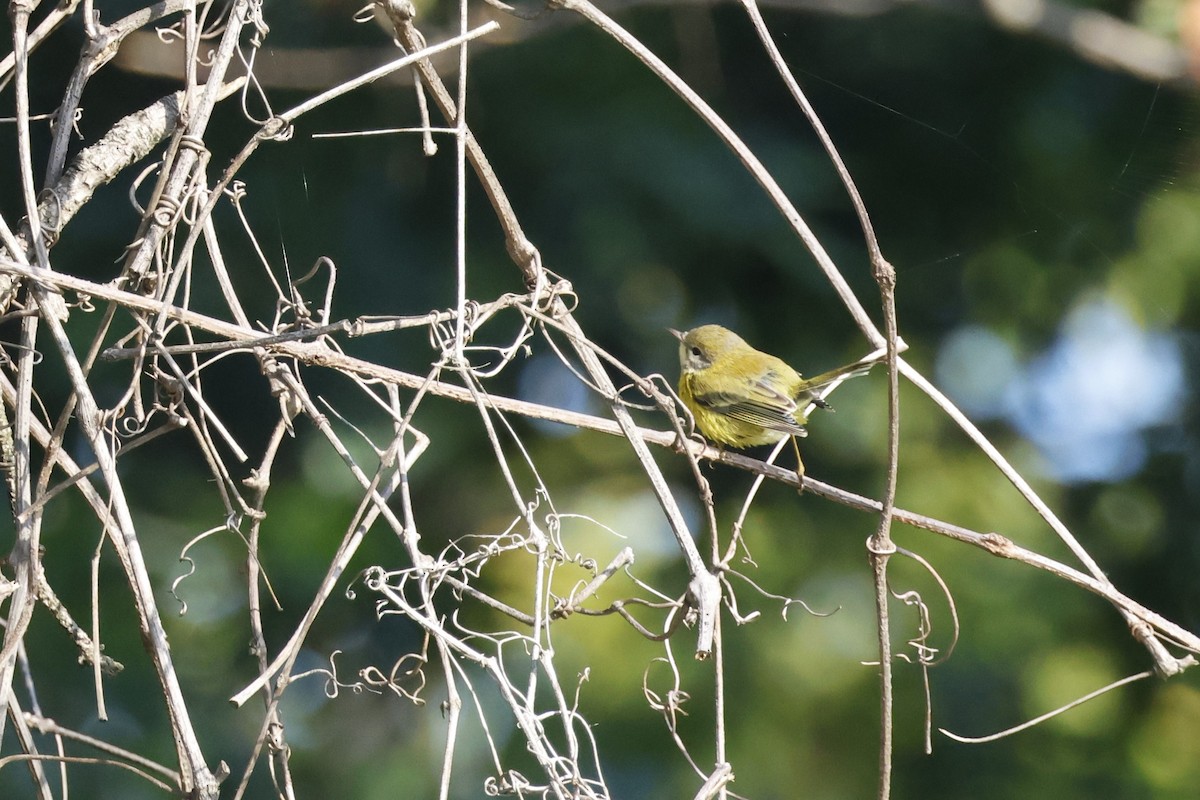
{"points": [[149, 325]]}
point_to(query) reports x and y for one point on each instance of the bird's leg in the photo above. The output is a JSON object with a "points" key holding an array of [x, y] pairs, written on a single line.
{"points": [[799, 466]]}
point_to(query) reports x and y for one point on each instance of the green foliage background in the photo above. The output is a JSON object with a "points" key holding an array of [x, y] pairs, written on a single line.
{"points": [[1009, 181]]}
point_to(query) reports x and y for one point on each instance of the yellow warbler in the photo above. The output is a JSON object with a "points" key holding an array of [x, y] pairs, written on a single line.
{"points": [[742, 397]]}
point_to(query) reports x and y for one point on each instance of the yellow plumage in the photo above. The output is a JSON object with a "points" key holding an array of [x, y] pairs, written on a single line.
{"points": [[742, 397]]}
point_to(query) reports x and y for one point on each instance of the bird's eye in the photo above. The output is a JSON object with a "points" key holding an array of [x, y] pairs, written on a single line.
{"points": [[696, 352]]}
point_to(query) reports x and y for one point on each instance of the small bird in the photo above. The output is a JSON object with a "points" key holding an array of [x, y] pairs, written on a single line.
{"points": [[742, 397]]}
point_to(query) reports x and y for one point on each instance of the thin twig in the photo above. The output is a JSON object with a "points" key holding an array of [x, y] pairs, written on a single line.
{"points": [[1049, 714]]}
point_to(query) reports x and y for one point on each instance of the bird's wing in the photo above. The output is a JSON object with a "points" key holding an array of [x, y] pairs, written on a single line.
{"points": [[760, 404]]}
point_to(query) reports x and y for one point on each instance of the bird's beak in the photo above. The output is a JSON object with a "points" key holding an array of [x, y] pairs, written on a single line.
{"points": [[677, 334]]}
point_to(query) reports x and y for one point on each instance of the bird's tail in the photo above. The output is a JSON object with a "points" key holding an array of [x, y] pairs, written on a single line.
{"points": [[812, 388]]}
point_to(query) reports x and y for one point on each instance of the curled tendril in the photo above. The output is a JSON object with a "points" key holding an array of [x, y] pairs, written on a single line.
{"points": [[50, 207], [207, 59], [252, 13], [133, 190], [84, 303], [277, 129], [236, 190], [129, 426], [166, 212], [331, 683], [191, 570], [184, 558], [374, 578], [36, 357], [511, 782], [376, 681], [559, 290], [170, 33], [194, 143], [364, 14]]}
